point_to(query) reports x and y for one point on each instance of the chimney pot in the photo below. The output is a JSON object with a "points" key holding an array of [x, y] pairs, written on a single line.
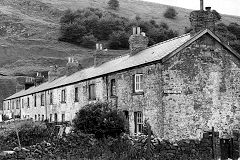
{"points": [[100, 47], [97, 46], [208, 8], [138, 30], [201, 5], [134, 30]]}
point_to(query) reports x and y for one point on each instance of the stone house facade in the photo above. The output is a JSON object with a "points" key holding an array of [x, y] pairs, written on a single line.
{"points": [[183, 86]]}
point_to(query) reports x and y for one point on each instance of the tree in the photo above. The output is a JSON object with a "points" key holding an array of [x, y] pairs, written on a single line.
{"points": [[113, 4], [170, 13], [119, 40], [99, 119]]}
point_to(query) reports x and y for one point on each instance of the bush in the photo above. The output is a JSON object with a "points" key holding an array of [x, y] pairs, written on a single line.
{"points": [[170, 13], [99, 119], [89, 41], [118, 39], [113, 4]]}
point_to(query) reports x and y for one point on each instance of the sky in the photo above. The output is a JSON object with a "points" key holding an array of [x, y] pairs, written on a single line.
{"points": [[231, 7]]}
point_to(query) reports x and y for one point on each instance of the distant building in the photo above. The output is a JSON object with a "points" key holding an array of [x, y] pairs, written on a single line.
{"points": [[182, 87]]}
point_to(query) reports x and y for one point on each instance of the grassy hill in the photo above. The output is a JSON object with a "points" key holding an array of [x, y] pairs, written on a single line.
{"points": [[29, 30]]}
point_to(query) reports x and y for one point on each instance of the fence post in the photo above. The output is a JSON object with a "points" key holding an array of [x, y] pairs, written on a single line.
{"points": [[149, 141]]}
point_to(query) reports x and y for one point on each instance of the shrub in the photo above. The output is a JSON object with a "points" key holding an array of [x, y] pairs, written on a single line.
{"points": [[118, 39], [113, 4], [170, 13], [89, 41], [99, 119]]}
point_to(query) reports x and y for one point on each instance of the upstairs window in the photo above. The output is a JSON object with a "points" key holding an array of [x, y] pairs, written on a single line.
{"points": [[12, 104], [92, 92], [35, 100], [63, 96], [113, 87], [17, 104], [76, 94], [138, 83], [8, 106], [51, 98], [42, 99], [50, 119], [138, 120]]}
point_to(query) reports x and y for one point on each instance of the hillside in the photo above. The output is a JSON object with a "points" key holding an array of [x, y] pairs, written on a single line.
{"points": [[29, 30]]}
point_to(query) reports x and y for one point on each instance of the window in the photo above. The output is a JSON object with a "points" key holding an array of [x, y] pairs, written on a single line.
{"points": [[50, 119], [76, 94], [35, 117], [8, 105], [38, 117], [42, 117], [51, 98], [63, 117], [63, 96], [138, 120], [138, 83], [17, 104], [12, 104], [42, 99], [28, 103], [35, 100], [113, 87], [92, 92], [22, 103]]}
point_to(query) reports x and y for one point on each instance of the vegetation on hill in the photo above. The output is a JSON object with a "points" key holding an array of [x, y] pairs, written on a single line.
{"points": [[170, 13], [90, 25]]}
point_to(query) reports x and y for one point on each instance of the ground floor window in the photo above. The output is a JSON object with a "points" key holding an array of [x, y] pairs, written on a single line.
{"points": [[63, 117], [55, 117], [42, 117], [138, 121], [38, 117], [50, 118], [35, 117]]}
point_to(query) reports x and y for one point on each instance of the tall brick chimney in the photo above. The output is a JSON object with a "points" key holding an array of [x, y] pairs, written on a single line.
{"points": [[53, 73], [202, 19], [72, 66], [137, 41]]}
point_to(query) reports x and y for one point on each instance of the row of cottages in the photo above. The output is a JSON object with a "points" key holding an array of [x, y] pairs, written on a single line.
{"points": [[182, 87]]}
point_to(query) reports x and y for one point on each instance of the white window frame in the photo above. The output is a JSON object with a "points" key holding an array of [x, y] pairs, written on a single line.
{"points": [[138, 82], [63, 96], [139, 122]]}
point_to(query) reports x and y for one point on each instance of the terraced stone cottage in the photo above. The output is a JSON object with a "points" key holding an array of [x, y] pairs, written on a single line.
{"points": [[183, 86]]}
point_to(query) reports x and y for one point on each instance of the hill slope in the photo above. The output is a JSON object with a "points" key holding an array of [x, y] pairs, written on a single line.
{"points": [[29, 30]]}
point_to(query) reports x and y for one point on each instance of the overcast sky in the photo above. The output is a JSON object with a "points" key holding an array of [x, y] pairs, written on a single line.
{"points": [[231, 7]]}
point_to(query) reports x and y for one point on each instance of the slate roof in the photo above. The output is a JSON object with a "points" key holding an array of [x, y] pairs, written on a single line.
{"points": [[151, 54]]}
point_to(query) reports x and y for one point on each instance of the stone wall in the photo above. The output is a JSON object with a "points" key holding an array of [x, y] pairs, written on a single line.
{"points": [[201, 91]]}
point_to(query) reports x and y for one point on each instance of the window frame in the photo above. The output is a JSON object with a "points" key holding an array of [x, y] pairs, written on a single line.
{"points": [[50, 98], [138, 82], [63, 117], [28, 102], [63, 96], [76, 97], [92, 96], [138, 120], [35, 100], [113, 87], [42, 99]]}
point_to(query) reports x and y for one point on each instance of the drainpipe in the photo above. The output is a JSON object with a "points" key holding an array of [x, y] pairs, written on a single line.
{"points": [[45, 103]]}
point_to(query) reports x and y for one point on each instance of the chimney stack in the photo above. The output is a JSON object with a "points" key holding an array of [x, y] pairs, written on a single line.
{"points": [[72, 66], [53, 73], [202, 19], [137, 41], [29, 82], [39, 79]]}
